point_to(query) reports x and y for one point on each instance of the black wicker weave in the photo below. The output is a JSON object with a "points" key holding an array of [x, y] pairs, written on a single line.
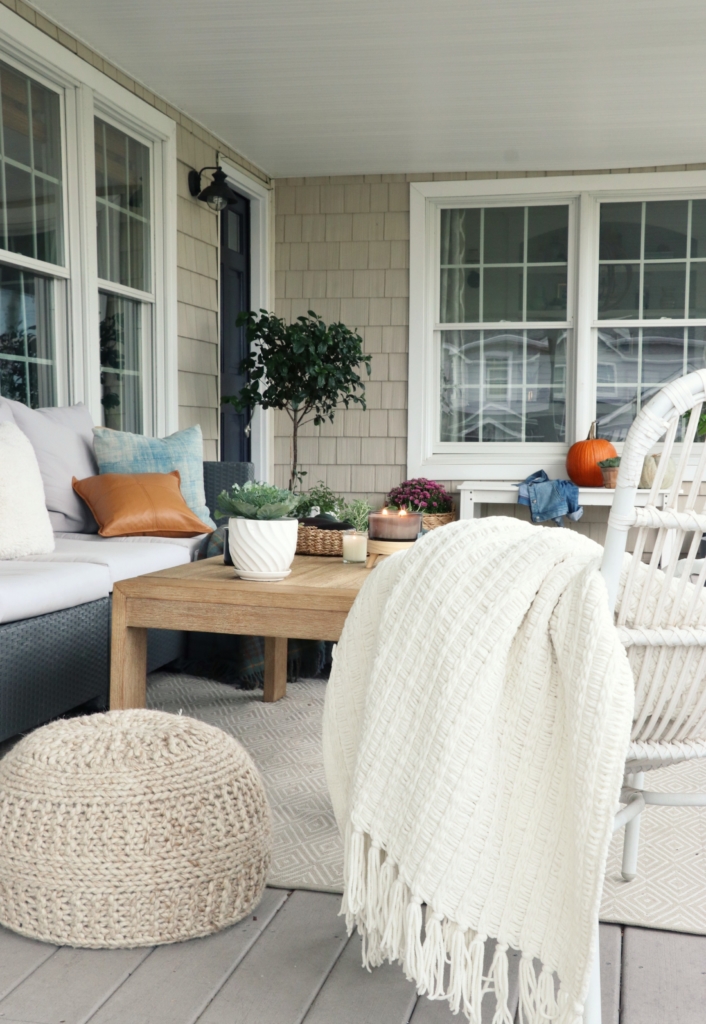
{"points": [[51, 664], [220, 476]]}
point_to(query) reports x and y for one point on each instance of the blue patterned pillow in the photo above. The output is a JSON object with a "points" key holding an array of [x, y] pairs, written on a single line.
{"points": [[120, 452]]}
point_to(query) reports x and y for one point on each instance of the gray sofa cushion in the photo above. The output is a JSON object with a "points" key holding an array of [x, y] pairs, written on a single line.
{"points": [[194, 545], [33, 587], [62, 439], [123, 561]]}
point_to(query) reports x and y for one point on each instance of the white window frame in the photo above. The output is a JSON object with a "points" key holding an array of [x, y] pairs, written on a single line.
{"points": [[426, 455], [87, 92]]}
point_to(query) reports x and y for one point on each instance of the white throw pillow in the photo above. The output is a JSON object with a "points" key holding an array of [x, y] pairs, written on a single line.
{"points": [[25, 528], [62, 439]]}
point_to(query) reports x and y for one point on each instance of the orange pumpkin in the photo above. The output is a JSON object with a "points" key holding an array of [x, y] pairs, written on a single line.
{"points": [[583, 458]]}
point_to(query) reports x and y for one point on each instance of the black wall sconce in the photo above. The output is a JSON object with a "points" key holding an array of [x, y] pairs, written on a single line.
{"points": [[217, 194]]}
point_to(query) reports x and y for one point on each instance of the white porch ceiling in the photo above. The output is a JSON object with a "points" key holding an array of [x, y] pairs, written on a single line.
{"points": [[317, 87]]}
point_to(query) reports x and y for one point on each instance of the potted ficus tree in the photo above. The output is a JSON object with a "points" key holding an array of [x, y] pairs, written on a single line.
{"points": [[307, 368], [262, 529]]}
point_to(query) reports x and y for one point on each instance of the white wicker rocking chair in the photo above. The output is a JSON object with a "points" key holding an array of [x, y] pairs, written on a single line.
{"points": [[668, 658]]}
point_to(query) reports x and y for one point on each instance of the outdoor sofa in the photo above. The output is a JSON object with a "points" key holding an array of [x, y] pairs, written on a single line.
{"points": [[55, 614]]}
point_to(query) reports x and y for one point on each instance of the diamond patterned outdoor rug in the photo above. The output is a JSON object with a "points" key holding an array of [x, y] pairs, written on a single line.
{"points": [[284, 740]]}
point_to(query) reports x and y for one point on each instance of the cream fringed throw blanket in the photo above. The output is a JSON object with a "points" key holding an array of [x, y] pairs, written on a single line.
{"points": [[475, 731]]}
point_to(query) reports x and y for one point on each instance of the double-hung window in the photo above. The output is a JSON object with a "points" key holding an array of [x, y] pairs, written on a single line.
{"points": [[124, 274], [87, 239], [651, 305], [503, 323], [32, 261], [540, 305]]}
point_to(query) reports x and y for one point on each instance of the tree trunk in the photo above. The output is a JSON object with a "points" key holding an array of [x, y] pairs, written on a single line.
{"points": [[293, 476]]}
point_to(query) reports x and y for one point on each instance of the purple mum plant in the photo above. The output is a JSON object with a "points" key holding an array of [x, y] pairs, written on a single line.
{"points": [[421, 495]]}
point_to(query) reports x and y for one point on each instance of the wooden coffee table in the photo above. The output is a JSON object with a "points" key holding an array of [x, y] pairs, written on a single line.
{"points": [[206, 597]]}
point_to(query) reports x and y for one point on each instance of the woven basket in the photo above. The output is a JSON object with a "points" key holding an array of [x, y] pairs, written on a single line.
{"points": [[441, 519], [312, 541]]}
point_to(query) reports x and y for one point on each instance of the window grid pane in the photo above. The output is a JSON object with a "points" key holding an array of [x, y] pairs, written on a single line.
{"points": [[122, 208], [504, 264], [121, 362], [652, 256], [31, 220], [634, 363], [27, 359], [503, 385]]}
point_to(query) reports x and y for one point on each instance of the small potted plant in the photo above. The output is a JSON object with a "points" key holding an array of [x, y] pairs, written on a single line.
{"points": [[426, 496], [262, 529], [355, 541], [609, 468]]}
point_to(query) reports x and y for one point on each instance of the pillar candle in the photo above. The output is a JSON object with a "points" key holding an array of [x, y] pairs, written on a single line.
{"points": [[387, 525]]}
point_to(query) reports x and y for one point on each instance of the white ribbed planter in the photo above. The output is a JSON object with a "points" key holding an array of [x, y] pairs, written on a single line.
{"points": [[262, 545]]}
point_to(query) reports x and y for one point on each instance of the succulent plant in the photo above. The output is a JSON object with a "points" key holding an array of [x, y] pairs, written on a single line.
{"points": [[256, 501], [612, 463]]}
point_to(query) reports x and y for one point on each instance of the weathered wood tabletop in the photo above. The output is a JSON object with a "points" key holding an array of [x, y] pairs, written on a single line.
{"points": [[312, 603]]}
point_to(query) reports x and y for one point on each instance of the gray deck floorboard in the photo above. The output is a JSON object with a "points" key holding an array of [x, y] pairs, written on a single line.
{"points": [[70, 985], [19, 957], [281, 976], [610, 952], [176, 983], [664, 978], [295, 965], [351, 995]]}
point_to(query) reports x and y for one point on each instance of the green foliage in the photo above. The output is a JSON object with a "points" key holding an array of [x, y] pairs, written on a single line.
{"points": [[306, 368], [356, 513], [256, 501], [701, 428], [610, 463], [322, 497]]}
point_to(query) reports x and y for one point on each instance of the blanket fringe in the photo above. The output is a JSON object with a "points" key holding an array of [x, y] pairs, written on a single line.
{"points": [[443, 959]]}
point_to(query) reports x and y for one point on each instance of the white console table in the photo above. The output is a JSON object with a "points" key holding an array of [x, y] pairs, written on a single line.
{"points": [[475, 493]]}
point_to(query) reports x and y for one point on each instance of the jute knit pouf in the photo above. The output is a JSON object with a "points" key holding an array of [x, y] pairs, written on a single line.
{"points": [[130, 829]]}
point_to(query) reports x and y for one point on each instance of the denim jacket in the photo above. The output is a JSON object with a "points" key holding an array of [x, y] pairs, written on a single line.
{"points": [[550, 499]]}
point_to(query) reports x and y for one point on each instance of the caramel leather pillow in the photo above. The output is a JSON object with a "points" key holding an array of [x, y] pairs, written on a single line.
{"points": [[139, 505]]}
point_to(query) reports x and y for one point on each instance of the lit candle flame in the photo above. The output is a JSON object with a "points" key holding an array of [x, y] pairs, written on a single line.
{"points": [[384, 512], [403, 511]]}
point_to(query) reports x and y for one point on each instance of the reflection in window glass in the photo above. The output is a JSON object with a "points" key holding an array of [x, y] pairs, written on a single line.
{"points": [[121, 362], [634, 363], [503, 385], [647, 268], [665, 230], [663, 290], [30, 164], [619, 291], [122, 207], [504, 234], [27, 369], [502, 264], [621, 231]]}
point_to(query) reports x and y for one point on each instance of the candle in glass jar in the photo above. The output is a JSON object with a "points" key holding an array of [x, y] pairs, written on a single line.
{"points": [[355, 546], [387, 525]]}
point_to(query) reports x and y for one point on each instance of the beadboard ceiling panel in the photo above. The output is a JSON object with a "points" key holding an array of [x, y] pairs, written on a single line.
{"points": [[318, 87]]}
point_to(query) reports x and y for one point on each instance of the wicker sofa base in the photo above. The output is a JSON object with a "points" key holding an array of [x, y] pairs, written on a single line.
{"points": [[51, 664]]}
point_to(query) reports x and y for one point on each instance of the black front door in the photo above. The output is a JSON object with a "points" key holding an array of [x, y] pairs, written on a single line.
{"points": [[235, 298]]}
